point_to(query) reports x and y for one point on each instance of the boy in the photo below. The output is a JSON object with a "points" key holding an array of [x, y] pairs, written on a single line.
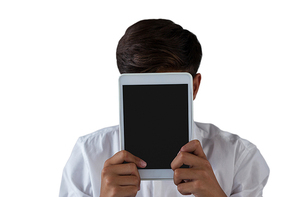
{"points": [[221, 164]]}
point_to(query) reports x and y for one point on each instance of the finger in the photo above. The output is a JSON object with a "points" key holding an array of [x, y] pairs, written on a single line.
{"points": [[189, 187], [122, 180], [127, 190], [127, 181], [124, 169], [194, 147], [125, 156], [182, 174], [121, 175], [188, 159]]}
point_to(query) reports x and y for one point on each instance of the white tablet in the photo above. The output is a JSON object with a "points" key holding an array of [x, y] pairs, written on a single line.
{"points": [[155, 119]]}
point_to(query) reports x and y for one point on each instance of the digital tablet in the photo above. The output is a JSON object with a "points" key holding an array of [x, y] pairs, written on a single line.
{"points": [[155, 119]]}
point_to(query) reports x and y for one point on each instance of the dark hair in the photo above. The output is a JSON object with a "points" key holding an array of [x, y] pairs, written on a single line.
{"points": [[158, 45]]}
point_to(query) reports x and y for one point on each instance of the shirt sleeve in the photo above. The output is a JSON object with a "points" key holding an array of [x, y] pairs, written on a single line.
{"points": [[251, 175], [76, 178]]}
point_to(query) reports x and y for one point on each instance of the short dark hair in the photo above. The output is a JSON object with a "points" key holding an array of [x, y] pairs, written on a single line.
{"points": [[157, 45]]}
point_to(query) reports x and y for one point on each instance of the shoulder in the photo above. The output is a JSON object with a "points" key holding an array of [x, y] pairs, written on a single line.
{"points": [[99, 134], [235, 158], [87, 159], [212, 133], [106, 139], [232, 147]]}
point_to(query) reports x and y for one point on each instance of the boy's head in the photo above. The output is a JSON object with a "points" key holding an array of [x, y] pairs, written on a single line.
{"points": [[158, 45]]}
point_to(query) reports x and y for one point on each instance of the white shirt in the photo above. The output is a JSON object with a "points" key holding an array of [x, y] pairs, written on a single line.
{"points": [[238, 165]]}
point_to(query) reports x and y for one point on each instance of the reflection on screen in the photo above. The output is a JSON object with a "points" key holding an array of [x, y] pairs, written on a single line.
{"points": [[155, 122]]}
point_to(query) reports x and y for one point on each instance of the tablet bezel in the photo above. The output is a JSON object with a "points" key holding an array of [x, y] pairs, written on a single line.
{"points": [[155, 79]]}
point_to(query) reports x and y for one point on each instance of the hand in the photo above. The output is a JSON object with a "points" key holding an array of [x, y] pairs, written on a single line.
{"points": [[121, 179], [199, 179]]}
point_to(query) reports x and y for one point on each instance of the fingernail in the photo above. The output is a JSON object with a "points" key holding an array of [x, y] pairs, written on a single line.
{"points": [[143, 164], [182, 149]]}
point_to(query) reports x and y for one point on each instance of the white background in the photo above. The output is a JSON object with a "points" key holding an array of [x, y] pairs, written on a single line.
{"points": [[58, 79]]}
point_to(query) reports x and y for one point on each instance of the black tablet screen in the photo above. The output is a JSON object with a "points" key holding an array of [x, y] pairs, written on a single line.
{"points": [[155, 122]]}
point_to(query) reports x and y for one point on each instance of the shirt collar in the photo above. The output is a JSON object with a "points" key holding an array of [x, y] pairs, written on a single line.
{"points": [[196, 133]]}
